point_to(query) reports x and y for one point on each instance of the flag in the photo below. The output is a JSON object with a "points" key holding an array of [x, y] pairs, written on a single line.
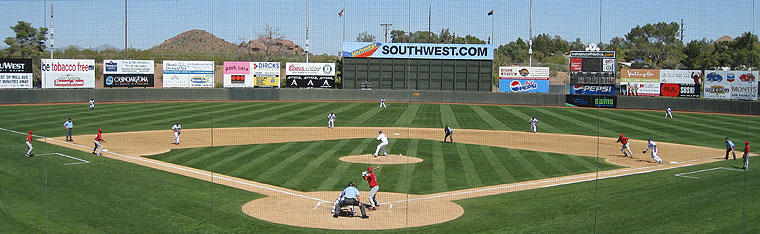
{"points": [[490, 12], [341, 13]]}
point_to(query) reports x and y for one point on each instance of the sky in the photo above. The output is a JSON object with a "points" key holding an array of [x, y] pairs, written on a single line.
{"points": [[91, 23]]}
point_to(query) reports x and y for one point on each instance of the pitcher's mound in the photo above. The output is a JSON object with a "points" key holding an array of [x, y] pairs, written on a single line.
{"points": [[390, 159]]}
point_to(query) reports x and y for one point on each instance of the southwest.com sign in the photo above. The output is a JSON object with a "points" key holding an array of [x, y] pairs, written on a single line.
{"points": [[417, 50]]}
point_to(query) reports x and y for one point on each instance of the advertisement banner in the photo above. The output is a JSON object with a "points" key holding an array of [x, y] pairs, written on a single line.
{"points": [[639, 89], [740, 85], [68, 73], [591, 101], [183, 74], [679, 90], [681, 76], [640, 82], [586, 89], [310, 69], [237, 74], [417, 50], [523, 86], [128, 73], [744, 85], [296, 81], [267, 74], [16, 73], [532, 73], [266, 82]]}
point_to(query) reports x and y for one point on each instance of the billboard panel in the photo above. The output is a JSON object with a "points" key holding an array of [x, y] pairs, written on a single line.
{"points": [[267, 74], [183, 74], [68, 73], [679, 90], [744, 85], [681, 76], [640, 82], [592, 67], [237, 74], [523, 86], [417, 50], [16, 74], [533, 73], [591, 101], [128, 73], [310, 69], [296, 81], [587, 89]]}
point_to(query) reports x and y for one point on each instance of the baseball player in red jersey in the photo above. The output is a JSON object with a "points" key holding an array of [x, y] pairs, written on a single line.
{"points": [[98, 140], [624, 140], [29, 144], [369, 176], [746, 156]]}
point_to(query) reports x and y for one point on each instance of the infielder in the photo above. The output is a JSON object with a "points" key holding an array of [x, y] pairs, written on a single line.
{"points": [[383, 142], [449, 134], [29, 144], [745, 157], [98, 140], [349, 196], [533, 122], [92, 104], [331, 120], [730, 148], [369, 176], [69, 126], [177, 129], [624, 140], [653, 146], [382, 103], [668, 112]]}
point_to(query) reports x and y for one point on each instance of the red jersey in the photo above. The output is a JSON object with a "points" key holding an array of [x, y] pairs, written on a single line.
{"points": [[623, 140], [98, 137], [746, 149], [29, 138], [371, 179]]}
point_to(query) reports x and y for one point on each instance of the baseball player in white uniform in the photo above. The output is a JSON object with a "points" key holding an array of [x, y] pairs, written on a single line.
{"points": [[92, 104], [177, 129], [383, 142], [331, 120], [533, 122], [653, 147], [668, 112], [382, 103]]}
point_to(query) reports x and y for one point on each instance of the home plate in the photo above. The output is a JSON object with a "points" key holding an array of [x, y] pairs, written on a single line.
{"points": [[673, 162], [105, 150], [396, 133]]}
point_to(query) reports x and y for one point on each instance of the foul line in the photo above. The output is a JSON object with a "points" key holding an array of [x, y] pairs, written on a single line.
{"points": [[179, 168], [684, 175], [81, 161]]}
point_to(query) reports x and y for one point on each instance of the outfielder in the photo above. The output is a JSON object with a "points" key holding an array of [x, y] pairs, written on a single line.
{"points": [[382, 103], [69, 126], [177, 129], [730, 148], [331, 120], [624, 140], [533, 122], [653, 146], [369, 176], [92, 104], [383, 142], [98, 140], [349, 196], [29, 144], [449, 134], [745, 157], [668, 112]]}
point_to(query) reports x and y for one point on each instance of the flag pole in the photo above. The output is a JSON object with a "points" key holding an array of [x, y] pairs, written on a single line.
{"points": [[492, 19], [344, 22]]}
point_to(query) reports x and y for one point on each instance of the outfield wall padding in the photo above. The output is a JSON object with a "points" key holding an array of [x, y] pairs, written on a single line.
{"points": [[10, 96]]}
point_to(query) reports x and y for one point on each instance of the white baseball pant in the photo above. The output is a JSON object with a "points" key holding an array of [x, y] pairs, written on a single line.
{"points": [[655, 157], [373, 196], [176, 137], [29, 144], [99, 146], [381, 146], [626, 147]]}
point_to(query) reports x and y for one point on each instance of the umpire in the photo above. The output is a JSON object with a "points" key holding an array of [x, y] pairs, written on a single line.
{"points": [[349, 197], [69, 126], [449, 134]]}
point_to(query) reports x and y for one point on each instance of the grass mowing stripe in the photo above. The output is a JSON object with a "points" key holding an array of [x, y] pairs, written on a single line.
{"points": [[244, 168], [496, 164], [274, 106], [207, 157], [613, 122], [439, 167], [342, 167], [274, 169], [717, 125], [358, 120], [633, 117], [524, 118], [470, 172], [317, 121], [489, 119], [187, 114], [406, 118], [225, 159], [448, 117], [138, 113], [57, 110], [314, 163], [553, 162], [579, 161], [412, 150], [527, 165], [293, 112], [590, 128], [182, 154], [428, 115]]}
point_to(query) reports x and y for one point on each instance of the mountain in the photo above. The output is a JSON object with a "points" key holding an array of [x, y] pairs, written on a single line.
{"points": [[202, 42]]}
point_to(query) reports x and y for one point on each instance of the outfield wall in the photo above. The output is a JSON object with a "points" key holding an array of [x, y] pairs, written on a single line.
{"points": [[545, 99]]}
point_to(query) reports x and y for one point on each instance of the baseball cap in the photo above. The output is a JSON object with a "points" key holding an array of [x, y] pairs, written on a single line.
{"points": [[649, 139], [381, 131], [369, 168]]}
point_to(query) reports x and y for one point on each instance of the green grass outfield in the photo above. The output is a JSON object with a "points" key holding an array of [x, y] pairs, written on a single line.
{"points": [[43, 194]]}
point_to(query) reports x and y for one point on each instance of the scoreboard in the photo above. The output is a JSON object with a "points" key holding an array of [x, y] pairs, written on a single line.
{"points": [[592, 67]]}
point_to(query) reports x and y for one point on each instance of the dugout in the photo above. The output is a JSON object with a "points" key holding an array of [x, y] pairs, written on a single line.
{"points": [[411, 66]]}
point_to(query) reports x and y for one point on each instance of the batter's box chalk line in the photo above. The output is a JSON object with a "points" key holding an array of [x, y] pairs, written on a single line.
{"points": [[688, 174]]}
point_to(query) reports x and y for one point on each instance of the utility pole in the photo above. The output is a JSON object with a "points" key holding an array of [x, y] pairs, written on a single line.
{"points": [[125, 24], [386, 31], [430, 17], [681, 30], [530, 37], [307, 31], [52, 38]]}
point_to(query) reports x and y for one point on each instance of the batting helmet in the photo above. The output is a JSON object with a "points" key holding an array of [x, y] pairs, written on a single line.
{"points": [[100, 130], [621, 135], [30, 131], [369, 168]]}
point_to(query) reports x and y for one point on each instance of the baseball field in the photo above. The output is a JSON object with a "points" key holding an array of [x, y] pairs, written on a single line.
{"points": [[276, 167]]}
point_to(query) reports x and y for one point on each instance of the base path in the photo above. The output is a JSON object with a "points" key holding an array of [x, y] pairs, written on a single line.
{"points": [[397, 210]]}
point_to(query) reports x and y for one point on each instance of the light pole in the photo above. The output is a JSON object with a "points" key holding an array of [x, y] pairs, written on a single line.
{"points": [[307, 31], [530, 37]]}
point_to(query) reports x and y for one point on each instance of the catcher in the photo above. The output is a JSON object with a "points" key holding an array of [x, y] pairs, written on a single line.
{"points": [[177, 129], [98, 140], [369, 176], [349, 197]]}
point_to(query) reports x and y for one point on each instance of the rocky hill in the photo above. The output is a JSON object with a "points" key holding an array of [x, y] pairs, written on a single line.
{"points": [[201, 42]]}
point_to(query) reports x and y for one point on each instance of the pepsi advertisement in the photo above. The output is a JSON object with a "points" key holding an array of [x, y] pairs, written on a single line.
{"points": [[588, 89], [523, 86]]}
